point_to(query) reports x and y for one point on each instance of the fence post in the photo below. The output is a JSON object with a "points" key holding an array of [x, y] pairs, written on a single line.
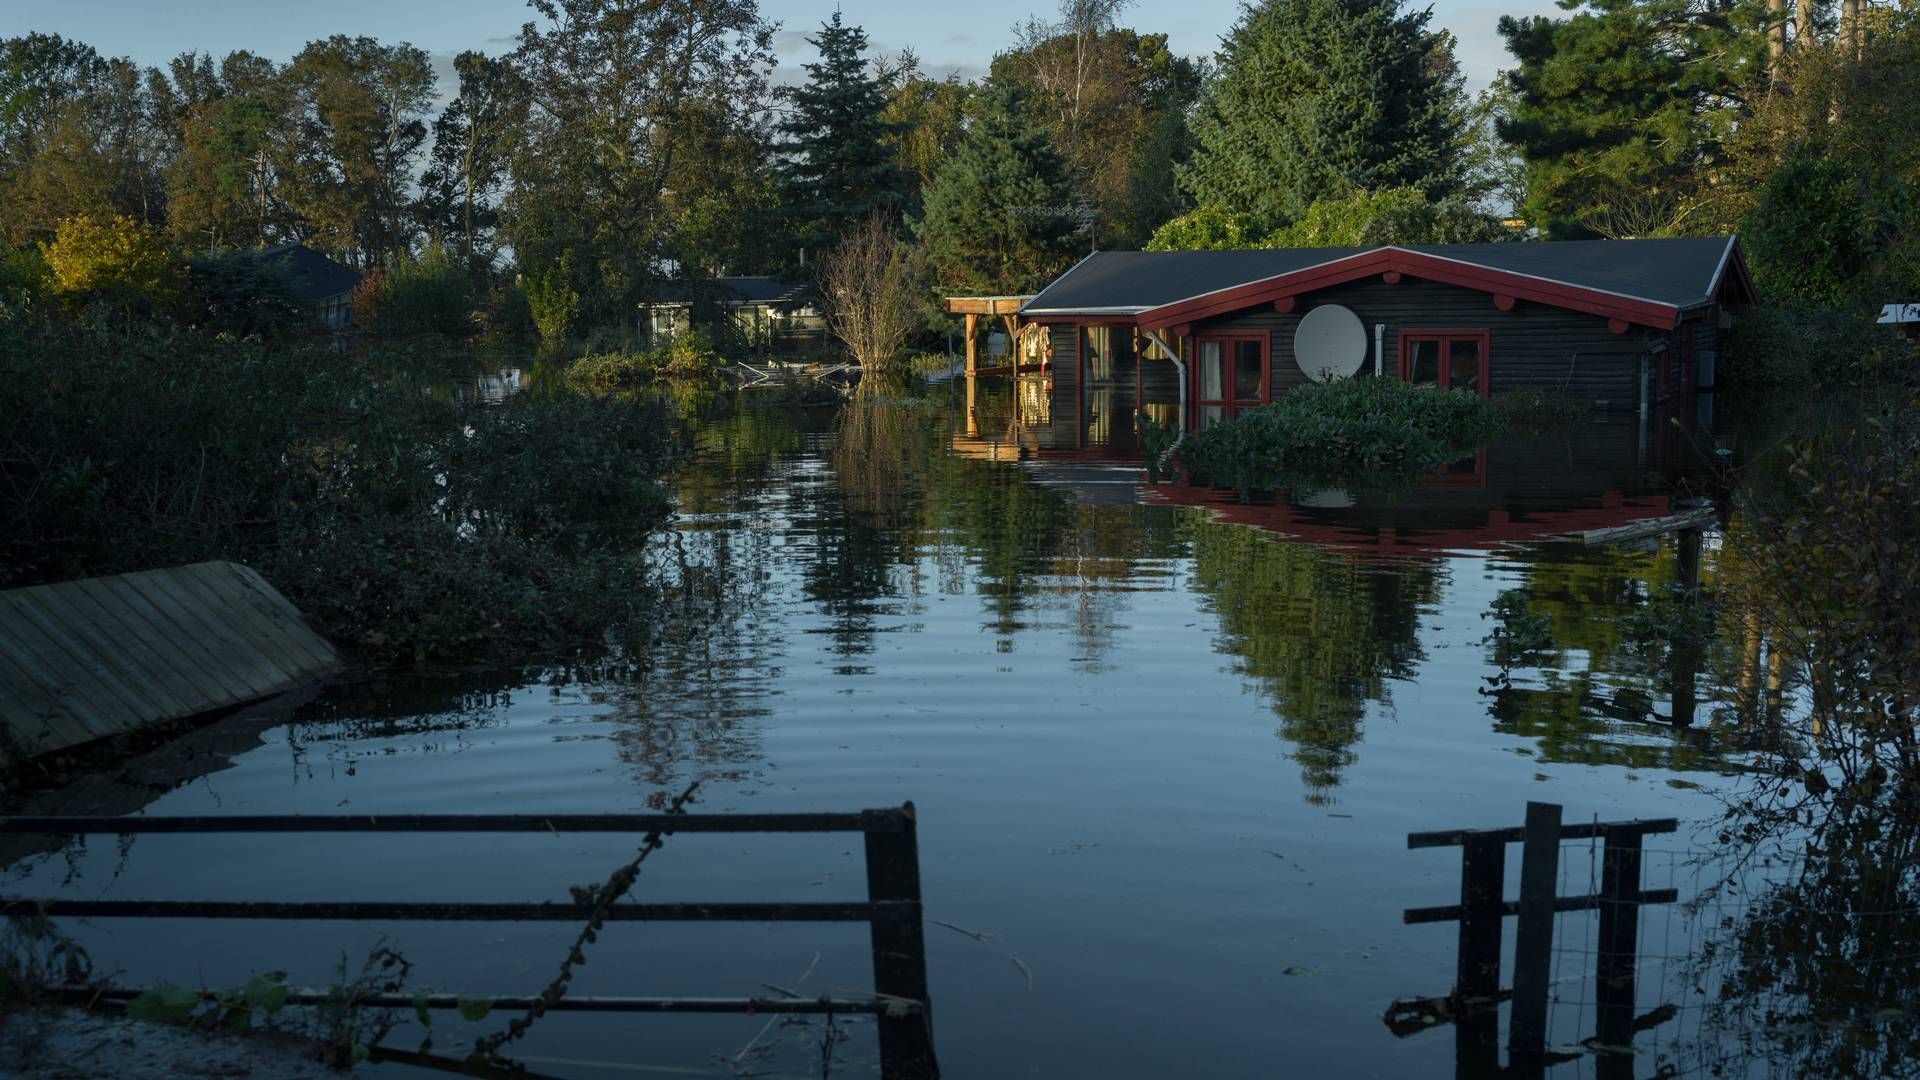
{"points": [[900, 952], [1483, 869], [1619, 943], [1533, 938]]}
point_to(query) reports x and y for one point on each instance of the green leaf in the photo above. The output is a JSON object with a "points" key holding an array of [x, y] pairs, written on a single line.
{"points": [[167, 1003], [420, 1012], [474, 1008], [267, 992]]}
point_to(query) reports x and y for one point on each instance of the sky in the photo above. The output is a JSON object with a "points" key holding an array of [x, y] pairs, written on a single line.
{"points": [[947, 36]]}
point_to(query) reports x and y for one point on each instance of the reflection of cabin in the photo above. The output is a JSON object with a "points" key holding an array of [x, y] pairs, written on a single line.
{"points": [[323, 285], [762, 312], [1624, 326]]}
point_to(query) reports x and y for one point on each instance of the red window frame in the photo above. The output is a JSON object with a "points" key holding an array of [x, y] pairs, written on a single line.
{"points": [[1444, 337], [1229, 406]]}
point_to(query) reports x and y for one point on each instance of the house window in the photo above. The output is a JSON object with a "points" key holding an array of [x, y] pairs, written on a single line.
{"points": [[1229, 375], [1456, 359]]}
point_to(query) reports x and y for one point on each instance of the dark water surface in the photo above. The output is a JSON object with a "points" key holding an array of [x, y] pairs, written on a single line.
{"points": [[1164, 763]]}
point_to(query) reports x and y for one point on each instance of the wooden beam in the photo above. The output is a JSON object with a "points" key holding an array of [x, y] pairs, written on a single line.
{"points": [[973, 358], [1286, 304], [1617, 326], [984, 305], [1391, 277], [1503, 301]]}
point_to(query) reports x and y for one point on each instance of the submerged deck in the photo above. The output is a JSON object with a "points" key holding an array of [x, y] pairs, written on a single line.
{"points": [[99, 657]]}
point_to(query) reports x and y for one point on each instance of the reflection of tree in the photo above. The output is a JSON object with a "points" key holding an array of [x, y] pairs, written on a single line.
{"points": [[1322, 634]]}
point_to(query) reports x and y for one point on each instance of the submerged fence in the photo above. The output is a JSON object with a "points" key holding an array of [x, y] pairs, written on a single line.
{"points": [[1641, 962], [892, 910]]}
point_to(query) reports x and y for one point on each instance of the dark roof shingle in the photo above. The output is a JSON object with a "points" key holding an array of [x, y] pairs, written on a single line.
{"points": [[1679, 272]]}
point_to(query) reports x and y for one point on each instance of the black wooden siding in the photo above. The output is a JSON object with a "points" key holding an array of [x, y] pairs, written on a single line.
{"points": [[1534, 346]]}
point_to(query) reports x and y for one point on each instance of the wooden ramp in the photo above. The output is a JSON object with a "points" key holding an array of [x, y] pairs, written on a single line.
{"points": [[99, 657]]}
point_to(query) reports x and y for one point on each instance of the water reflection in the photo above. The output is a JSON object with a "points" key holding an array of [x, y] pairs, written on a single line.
{"points": [[1119, 707]]}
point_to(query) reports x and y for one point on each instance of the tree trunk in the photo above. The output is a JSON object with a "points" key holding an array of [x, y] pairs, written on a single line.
{"points": [[1776, 39]]}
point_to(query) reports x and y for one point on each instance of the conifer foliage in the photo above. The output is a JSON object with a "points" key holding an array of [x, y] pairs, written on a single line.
{"points": [[998, 214], [840, 166], [1318, 97]]}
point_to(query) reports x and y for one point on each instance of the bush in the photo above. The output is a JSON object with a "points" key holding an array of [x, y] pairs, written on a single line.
{"points": [[553, 302], [237, 293], [114, 260], [419, 294], [1811, 346], [407, 525], [1365, 432], [1539, 410], [689, 356]]}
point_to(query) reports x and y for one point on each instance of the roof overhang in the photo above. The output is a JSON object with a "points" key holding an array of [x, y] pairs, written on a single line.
{"points": [[1393, 260], [984, 305], [1732, 281]]}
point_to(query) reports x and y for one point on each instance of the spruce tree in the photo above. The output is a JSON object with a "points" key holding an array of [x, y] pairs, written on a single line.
{"points": [[839, 168], [1315, 98], [1621, 108], [997, 217]]}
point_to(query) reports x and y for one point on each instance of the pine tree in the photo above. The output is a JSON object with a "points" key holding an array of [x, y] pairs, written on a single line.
{"points": [[839, 167], [1317, 97], [1621, 109], [998, 217]]}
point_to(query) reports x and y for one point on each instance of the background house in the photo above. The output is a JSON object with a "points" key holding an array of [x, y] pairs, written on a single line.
{"points": [[763, 313], [324, 285]]}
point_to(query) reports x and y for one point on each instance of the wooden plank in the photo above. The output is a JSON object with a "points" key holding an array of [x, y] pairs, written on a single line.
{"points": [[1585, 830], [89, 636], [37, 719], [245, 672], [247, 613], [83, 660], [164, 672], [142, 619], [1533, 937], [1640, 530], [96, 710], [288, 617]]}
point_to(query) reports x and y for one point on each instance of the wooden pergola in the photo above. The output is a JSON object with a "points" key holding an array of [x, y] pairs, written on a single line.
{"points": [[973, 307]]}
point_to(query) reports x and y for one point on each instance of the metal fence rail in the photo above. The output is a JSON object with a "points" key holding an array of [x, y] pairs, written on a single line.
{"points": [[892, 910]]}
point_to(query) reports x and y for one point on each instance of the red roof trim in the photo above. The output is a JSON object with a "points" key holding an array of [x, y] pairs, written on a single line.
{"points": [[1433, 267]]}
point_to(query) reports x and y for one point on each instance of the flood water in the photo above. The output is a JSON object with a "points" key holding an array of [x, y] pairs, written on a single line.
{"points": [[1165, 749]]}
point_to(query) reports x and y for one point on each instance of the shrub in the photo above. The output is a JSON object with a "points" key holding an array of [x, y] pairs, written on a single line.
{"points": [[420, 294], [115, 260], [1808, 346], [553, 301], [407, 525], [236, 293], [689, 356], [1364, 432], [1539, 410]]}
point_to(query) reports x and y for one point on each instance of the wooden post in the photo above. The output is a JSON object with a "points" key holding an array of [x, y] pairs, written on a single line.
{"points": [[1619, 943], [1686, 655], [1533, 939], [1476, 991], [900, 950], [973, 359]]}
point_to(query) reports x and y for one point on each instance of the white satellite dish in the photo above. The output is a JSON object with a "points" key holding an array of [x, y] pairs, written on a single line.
{"points": [[1330, 343]]}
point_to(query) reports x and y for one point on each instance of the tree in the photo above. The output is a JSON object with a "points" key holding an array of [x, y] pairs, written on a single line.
{"points": [[998, 215], [1316, 97], [926, 118], [358, 121], [472, 146], [871, 283], [1393, 216], [1114, 103], [1824, 176], [117, 260], [1624, 105], [621, 92], [838, 169]]}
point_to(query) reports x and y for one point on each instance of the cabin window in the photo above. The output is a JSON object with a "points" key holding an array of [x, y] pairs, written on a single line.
{"points": [[1229, 375], [1456, 359]]}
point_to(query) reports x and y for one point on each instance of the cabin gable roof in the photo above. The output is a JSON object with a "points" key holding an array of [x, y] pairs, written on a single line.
{"points": [[1645, 282]]}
